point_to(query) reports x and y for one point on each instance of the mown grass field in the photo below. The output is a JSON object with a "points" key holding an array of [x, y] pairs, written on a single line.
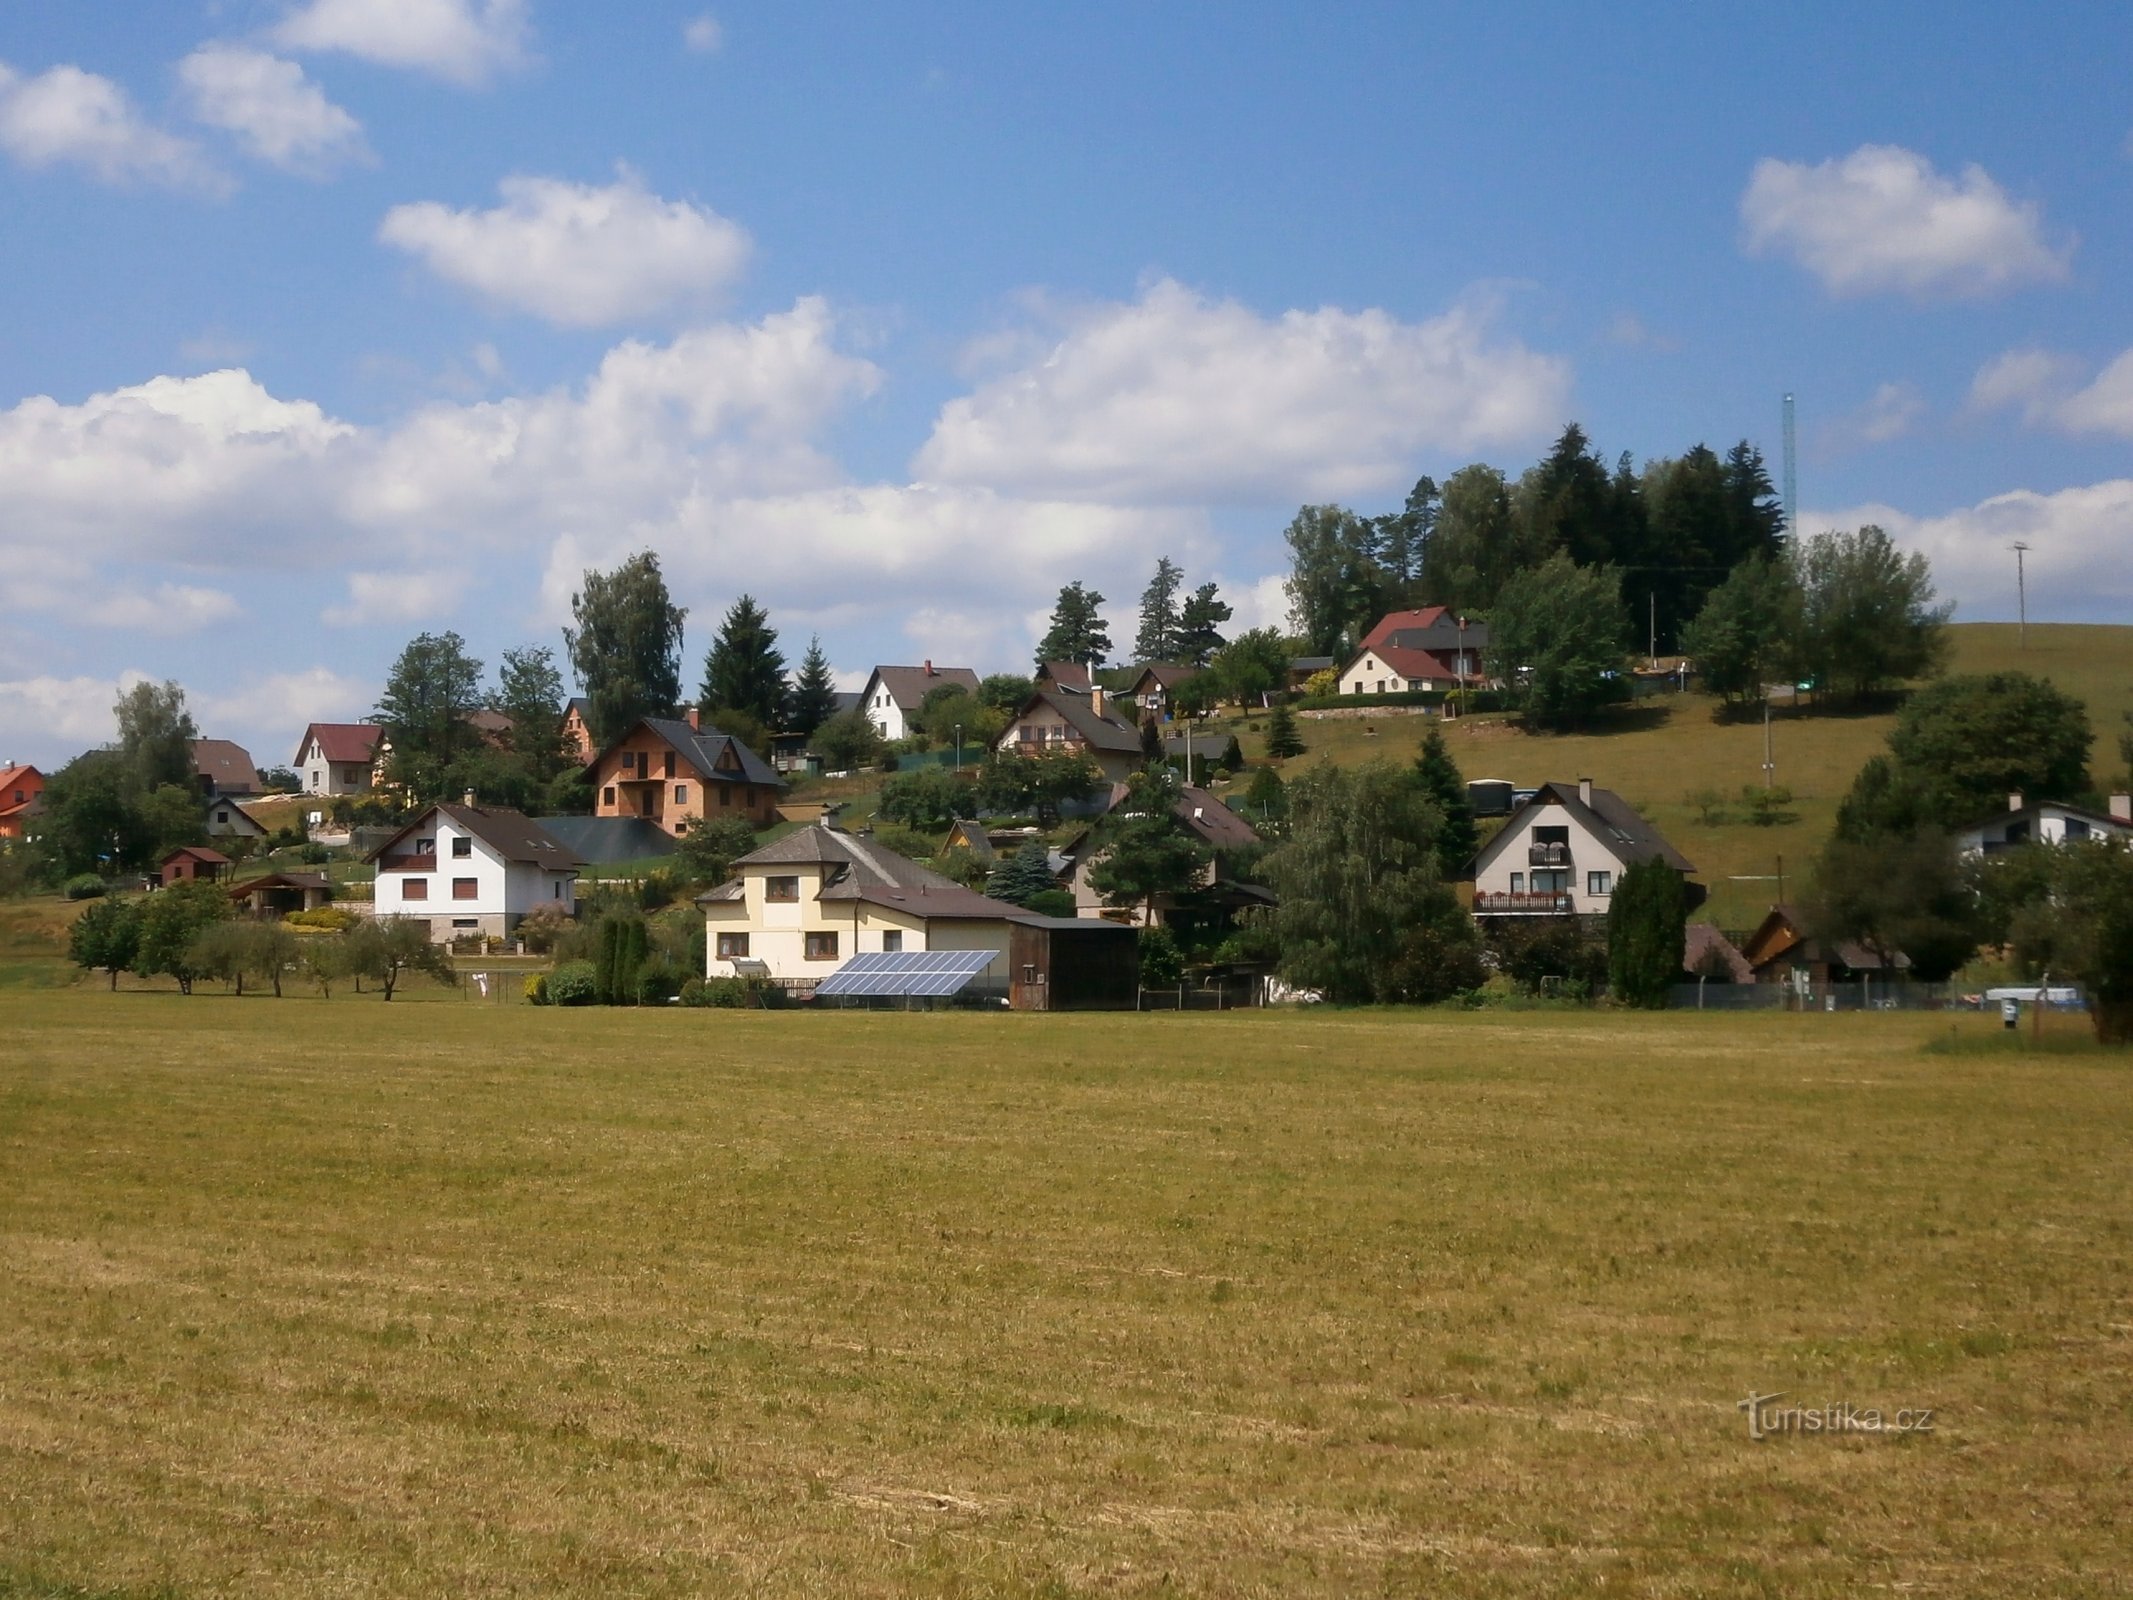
{"points": [[340, 1298]]}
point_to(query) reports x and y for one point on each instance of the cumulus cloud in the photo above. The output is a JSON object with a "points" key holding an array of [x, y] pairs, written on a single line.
{"points": [[268, 713], [462, 41], [1894, 411], [2049, 390], [703, 34], [42, 715], [170, 609], [576, 255], [2080, 561], [1882, 220], [277, 115], [396, 597], [1176, 396], [68, 117]]}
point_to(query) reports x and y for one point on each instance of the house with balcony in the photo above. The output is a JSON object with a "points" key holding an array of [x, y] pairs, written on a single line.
{"points": [[1156, 683], [800, 907], [893, 695], [1407, 650], [2045, 822], [1563, 851], [674, 771], [1087, 723], [468, 870]]}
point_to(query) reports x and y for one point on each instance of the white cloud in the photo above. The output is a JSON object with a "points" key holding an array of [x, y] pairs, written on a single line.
{"points": [[1264, 603], [397, 597], [1175, 396], [43, 715], [1894, 411], [276, 113], [1883, 220], [703, 34], [66, 116], [267, 714], [576, 255], [173, 608], [2049, 390], [2080, 560], [1634, 333], [462, 41]]}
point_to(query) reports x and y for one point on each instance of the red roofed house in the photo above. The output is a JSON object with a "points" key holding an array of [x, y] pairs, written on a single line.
{"points": [[337, 757], [1426, 649], [21, 793]]}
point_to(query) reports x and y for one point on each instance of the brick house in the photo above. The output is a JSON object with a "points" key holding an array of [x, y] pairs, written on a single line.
{"points": [[673, 771], [21, 794]]}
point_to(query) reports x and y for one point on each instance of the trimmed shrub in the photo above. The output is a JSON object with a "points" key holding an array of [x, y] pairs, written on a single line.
{"points": [[1051, 903], [536, 990], [85, 886], [658, 982], [692, 992], [574, 983]]}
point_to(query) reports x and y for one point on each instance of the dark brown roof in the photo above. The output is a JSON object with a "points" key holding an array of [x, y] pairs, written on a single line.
{"points": [[860, 869], [280, 880], [1166, 676], [1803, 947], [1702, 941], [341, 741], [909, 686], [1078, 711], [199, 852], [1212, 820], [227, 767], [511, 834], [1066, 674], [703, 749]]}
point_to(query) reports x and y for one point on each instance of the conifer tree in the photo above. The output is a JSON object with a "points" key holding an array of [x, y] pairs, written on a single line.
{"points": [[1282, 739], [1441, 780]]}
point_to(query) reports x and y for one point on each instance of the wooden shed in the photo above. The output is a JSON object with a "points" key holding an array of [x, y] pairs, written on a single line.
{"points": [[1073, 964]]}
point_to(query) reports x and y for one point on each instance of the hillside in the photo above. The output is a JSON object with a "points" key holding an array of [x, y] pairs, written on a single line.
{"points": [[1668, 748]]}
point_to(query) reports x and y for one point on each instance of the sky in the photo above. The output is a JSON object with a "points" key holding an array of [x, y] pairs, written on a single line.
{"points": [[331, 322]]}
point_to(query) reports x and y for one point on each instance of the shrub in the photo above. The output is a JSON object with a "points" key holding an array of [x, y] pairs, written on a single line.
{"points": [[85, 886], [574, 983], [1162, 963], [692, 992], [539, 928], [313, 855], [327, 919], [536, 990], [727, 994], [1051, 903], [658, 982]]}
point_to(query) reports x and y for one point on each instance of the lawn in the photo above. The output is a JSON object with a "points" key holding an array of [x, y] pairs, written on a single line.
{"points": [[340, 1298]]}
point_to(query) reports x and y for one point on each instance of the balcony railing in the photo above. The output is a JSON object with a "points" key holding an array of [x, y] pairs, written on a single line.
{"points": [[1548, 855], [409, 863], [1547, 902]]}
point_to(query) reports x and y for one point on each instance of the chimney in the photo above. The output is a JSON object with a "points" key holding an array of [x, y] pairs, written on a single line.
{"points": [[2014, 800], [467, 799], [1585, 790], [696, 719], [2122, 807], [1096, 696], [929, 666]]}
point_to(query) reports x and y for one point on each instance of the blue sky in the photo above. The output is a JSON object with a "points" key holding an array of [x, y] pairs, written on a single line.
{"points": [[331, 321]]}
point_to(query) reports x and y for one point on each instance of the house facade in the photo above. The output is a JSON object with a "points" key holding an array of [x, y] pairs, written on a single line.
{"points": [[338, 757], [1059, 719], [2045, 822], [1213, 824], [803, 905], [1564, 850], [1155, 684], [190, 863], [577, 730], [224, 767], [467, 870], [673, 771], [226, 819], [1407, 650], [21, 796], [893, 695]]}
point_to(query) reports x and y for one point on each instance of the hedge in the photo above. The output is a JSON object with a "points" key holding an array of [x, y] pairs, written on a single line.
{"points": [[1474, 700]]}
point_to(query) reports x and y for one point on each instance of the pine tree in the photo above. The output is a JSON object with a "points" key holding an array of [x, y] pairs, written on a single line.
{"points": [[1200, 621], [814, 696], [1158, 637], [1077, 630], [1282, 739], [1441, 780], [744, 670]]}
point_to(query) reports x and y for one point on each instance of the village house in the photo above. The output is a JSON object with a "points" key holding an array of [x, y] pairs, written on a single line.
{"points": [[1783, 950], [2045, 822], [1563, 851], [190, 863], [226, 819], [21, 796], [470, 870], [1077, 723], [1155, 684], [337, 757], [672, 771], [801, 906], [1407, 650], [577, 730], [893, 695], [223, 767], [1219, 894]]}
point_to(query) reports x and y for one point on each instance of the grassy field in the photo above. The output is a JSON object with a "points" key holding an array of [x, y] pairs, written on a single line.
{"points": [[302, 1298]]}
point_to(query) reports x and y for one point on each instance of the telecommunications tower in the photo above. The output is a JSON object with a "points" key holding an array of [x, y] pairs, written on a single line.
{"points": [[1792, 477]]}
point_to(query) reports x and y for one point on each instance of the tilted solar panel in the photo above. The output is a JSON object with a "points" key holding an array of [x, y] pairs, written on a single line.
{"points": [[915, 973]]}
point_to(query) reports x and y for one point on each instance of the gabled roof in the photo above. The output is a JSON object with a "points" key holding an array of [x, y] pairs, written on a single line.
{"points": [[511, 834], [1610, 819], [1078, 711], [1200, 811], [859, 869], [227, 767], [1801, 946], [20, 777], [198, 852], [705, 750], [280, 880], [1066, 674], [1703, 941], [582, 706], [1166, 676], [1431, 628], [2031, 809], [341, 741], [909, 686]]}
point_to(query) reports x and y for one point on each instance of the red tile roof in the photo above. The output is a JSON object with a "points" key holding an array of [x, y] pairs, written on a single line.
{"points": [[341, 741]]}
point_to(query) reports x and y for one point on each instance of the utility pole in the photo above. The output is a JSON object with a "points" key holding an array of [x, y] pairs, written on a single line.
{"points": [[1769, 753], [1792, 477], [1653, 639], [2021, 590]]}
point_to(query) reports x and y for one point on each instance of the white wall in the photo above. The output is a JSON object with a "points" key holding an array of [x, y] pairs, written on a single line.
{"points": [[1587, 855], [503, 891]]}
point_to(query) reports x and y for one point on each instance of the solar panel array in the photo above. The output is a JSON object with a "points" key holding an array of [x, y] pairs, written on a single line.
{"points": [[913, 973]]}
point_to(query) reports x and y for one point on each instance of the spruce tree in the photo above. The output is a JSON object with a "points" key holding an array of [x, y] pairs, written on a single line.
{"points": [[1025, 873], [1441, 780], [744, 670], [1200, 621], [814, 695], [1647, 933], [1077, 631], [1282, 739], [1158, 636]]}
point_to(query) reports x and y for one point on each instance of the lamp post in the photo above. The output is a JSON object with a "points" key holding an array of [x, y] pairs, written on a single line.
{"points": [[959, 747], [2021, 592]]}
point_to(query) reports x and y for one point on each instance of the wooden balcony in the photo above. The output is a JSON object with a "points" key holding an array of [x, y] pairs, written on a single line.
{"points": [[1544, 903]]}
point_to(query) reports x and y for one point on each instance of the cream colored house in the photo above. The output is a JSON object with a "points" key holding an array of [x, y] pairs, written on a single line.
{"points": [[1563, 852], [805, 904]]}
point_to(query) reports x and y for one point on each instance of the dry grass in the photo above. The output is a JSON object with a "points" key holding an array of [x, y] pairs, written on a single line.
{"points": [[303, 1298]]}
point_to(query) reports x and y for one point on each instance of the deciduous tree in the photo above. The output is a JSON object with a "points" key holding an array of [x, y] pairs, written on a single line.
{"points": [[1868, 618], [626, 647], [1555, 638], [107, 936]]}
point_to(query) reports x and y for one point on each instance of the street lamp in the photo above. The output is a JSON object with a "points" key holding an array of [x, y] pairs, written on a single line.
{"points": [[959, 747]]}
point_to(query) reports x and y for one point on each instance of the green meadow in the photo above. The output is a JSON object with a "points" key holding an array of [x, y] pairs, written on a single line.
{"points": [[313, 1298]]}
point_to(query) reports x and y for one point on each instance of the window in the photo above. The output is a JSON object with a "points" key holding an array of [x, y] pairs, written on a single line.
{"points": [[2076, 828], [1550, 882], [892, 941], [822, 947], [725, 794], [555, 891], [415, 889], [733, 946], [1518, 883], [462, 846], [220, 816], [466, 888], [681, 794], [1599, 883], [781, 888], [466, 922], [607, 795]]}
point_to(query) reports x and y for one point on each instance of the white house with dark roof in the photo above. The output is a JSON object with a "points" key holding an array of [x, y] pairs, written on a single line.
{"points": [[805, 904], [468, 870], [893, 695], [2045, 822], [1563, 852], [1062, 719]]}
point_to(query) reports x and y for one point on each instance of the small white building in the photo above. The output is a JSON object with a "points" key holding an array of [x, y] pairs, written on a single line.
{"points": [[2045, 822], [337, 757], [467, 869], [1564, 850], [226, 819], [893, 695]]}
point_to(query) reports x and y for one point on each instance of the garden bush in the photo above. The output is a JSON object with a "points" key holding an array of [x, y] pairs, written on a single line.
{"points": [[86, 886], [536, 990], [574, 983]]}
